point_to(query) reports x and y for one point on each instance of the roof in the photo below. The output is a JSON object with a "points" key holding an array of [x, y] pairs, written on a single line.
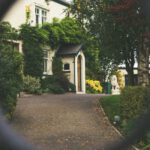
{"points": [[62, 2], [69, 49]]}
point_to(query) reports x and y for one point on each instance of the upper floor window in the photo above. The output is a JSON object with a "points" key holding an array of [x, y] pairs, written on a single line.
{"points": [[37, 15], [44, 16], [40, 15]]}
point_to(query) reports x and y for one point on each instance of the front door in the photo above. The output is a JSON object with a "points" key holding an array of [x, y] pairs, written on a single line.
{"points": [[79, 74]]}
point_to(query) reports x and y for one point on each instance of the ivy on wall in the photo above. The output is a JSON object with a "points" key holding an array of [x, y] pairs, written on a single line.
{"points": [[33, 40]]}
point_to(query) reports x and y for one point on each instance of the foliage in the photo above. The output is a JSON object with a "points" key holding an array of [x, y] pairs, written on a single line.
{"points": [[10, 78], [51, 84], [133, 101], [93, 86], [68, 30], [72, 87], [31, 85], [57, 66], [129, 105], [7, 32], [118, 29], [33, 40], [57, 84], [120, 79]]}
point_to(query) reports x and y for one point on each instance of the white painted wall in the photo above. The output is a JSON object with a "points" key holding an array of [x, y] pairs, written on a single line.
{"points": [[70, 75], [73, 74], [56, 10], [51, 54], [17, 13]]}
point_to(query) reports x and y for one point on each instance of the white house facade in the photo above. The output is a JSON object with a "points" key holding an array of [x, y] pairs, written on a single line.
{"points": [[35, 12]]}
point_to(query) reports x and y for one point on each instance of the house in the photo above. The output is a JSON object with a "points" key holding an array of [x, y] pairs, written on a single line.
{"points": [[73, 65], [36, 12]]}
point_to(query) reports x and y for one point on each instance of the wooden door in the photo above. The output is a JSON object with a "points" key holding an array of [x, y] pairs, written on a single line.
{"points": [[79, 74]]}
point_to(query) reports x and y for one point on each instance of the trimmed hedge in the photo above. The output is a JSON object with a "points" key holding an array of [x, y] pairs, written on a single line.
{"points": [[134, 100]]}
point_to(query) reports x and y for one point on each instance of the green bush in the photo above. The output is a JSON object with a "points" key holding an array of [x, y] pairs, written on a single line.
{"points": [[31, 85], [51, 84], [56, 84], [134, 101], [11, 64], [72, 87]]}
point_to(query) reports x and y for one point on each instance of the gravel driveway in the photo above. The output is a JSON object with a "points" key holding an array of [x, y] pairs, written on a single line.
{"points": [[63, 122]]}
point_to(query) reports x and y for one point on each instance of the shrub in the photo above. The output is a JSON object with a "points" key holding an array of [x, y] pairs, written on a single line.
{"points": [[10, 78], [31, 85], [93, 86], [134, 101], [72, 87], [51, 84], [57, 84]]}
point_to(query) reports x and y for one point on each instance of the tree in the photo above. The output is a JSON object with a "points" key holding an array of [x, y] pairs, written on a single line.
{"points": [[119, 28], [11, 64]]}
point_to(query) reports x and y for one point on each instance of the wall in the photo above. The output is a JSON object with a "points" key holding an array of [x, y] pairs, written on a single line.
{"points": [[56, 11], [51, 54], [17, 13], [70, 74]]}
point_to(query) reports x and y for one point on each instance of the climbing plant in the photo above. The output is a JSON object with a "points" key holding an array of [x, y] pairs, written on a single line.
{"points": [[33, 40]]}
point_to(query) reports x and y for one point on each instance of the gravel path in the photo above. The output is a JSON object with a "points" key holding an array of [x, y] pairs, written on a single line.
{"points": [[63, 122]]}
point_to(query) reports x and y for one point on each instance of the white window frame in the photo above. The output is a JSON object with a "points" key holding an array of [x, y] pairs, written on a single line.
{"points": [[42, 15], [37, 15]]}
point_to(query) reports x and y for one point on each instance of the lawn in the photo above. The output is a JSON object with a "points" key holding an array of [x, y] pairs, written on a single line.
{"points": [[111, 106]]}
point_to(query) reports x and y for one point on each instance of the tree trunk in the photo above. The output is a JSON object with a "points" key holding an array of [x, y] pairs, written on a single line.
{"points": [[130, 71], [143, 64]]}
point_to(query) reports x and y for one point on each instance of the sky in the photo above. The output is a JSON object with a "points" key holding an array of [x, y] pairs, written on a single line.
{"points": [[69, 0]]}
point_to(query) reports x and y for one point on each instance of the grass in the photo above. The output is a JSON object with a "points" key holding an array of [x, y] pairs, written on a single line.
{"points": [[111, 106]]}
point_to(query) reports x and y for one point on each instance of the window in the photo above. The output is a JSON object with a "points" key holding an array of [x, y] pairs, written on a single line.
{"points": [[45, 60], [37, 15], [66, 67], [40, 15], [44, 16]]}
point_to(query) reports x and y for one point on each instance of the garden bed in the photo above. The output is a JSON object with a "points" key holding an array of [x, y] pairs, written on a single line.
{"points": [[112, 108]]}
